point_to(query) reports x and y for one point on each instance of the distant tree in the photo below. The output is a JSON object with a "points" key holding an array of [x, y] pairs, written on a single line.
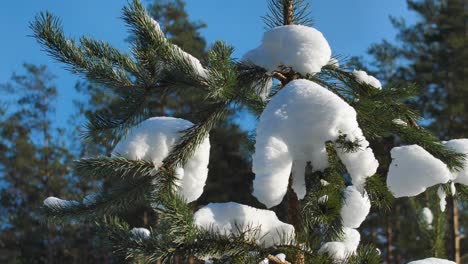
{"points": [[35, 158], [432, 53]]}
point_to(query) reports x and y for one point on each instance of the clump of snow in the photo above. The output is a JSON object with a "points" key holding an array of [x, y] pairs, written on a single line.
{"points": [[363, 77], [232, 218], [400, 122], [413, 169], [293, 130], [442, 198], [453, 190], [302, 48], [191, 60], [141, 232], [432, 261], [461, 146], [323, 199], [340, 250], [281, 257], [356, 207], [333, 63], [427, 216], [153, 139], [57, 202]]}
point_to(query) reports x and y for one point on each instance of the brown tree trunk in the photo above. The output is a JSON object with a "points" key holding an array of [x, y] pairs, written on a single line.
{"points": [[389, 232], [456, 231]]}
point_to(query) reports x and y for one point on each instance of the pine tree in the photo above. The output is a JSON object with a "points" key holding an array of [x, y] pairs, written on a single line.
{"points": [[35, 159], [312, 156], [432, 54]]}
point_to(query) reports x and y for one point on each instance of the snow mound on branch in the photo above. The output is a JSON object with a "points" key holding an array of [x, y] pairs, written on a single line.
{"points": [[293, 130], [141, 232], [363, 77], [413, 170], [340, 250], [355, 208], [461, 146], [427, 216], [191, 60], [432, 261], [302, 48], [57, 202], [153, 139], [234, 218]]}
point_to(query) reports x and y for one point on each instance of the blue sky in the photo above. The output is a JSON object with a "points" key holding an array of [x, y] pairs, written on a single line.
{"points": [[350, 27]]}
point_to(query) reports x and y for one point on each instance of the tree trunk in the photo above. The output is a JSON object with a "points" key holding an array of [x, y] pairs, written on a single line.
{"points": [[456, 230], [389, 240]]}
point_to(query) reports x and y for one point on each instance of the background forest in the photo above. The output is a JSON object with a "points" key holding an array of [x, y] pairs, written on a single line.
{"points": [[36, 151]]}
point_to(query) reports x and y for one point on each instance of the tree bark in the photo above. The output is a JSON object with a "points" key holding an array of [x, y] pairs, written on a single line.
{"points": [[389, 232], [456, 230]]}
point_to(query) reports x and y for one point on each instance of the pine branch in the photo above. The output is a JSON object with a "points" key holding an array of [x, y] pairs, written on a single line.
{"points": [[149, 36], [48, 31], [118, 168], [129, 110]]}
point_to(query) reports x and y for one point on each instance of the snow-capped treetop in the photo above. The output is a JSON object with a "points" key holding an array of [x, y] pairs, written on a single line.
{"points": [[413, 170], [302, 48], [292, 131], [427, 216], [340, 250], [461, 146], [232, 218], [153, 139], [355, 208], [140, 232], [432, 261], [363, 77]]}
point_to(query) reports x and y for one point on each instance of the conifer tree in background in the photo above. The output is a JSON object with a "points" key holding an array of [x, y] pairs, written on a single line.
{"points": [[35, 158], [312, 150], [432, 53]]}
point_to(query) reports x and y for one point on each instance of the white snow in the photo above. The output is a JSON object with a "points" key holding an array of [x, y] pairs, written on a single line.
{"points": [[153, 139], [363, 77], [281, 257], [413, 169], [140, 232], [461, 146], [453, 189], [427, 216], [340, 250], [232, 218], [302, 48], [442, 198], [432, 261], [293, 130], [194, 62], [57, 202], [355, 208], [400, 122], [323, 199]]}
